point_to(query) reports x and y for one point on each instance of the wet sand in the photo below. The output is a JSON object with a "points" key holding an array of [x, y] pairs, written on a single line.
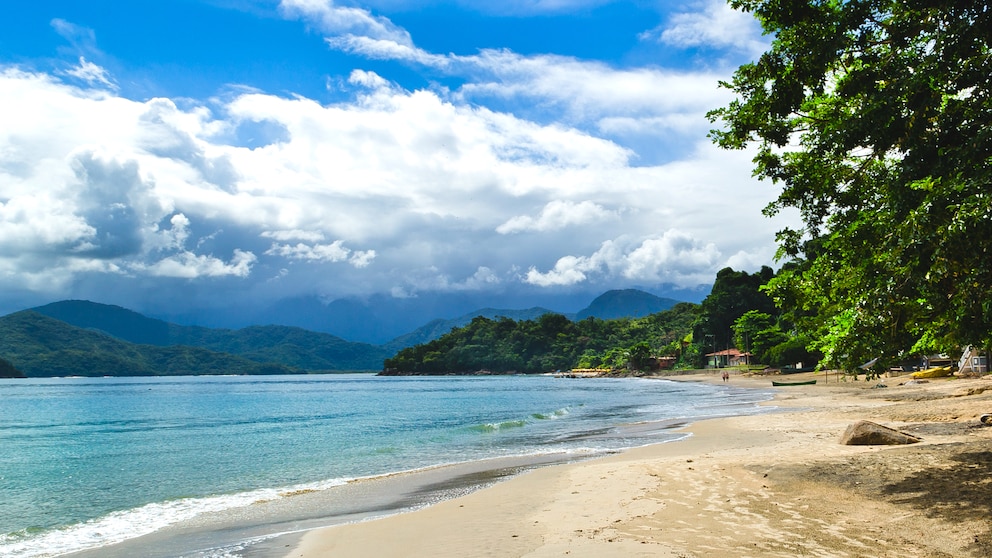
{"points": [[776, 484]]}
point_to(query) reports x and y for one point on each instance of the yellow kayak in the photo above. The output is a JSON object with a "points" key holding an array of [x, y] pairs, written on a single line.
{"points": [[938, 372]]}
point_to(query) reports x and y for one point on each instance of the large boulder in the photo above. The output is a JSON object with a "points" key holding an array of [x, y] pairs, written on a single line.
{"points": [[867, 433]]}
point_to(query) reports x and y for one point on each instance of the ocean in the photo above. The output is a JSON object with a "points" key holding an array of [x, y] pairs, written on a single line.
{"points": [[214, 467]]}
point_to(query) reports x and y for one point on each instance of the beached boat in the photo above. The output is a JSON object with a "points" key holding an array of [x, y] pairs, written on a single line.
{"points": [[806, 383], [938, 372]]}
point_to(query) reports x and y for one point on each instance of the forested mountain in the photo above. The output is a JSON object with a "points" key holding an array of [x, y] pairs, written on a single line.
{"points": [[306, 349], [86, 338], [436, 328], [41, 346], [290, 346], [737, 313], [551, 342], [626, 303]]}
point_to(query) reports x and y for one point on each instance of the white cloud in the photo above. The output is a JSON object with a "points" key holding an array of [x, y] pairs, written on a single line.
{"points": [[590, 89], [644, 105], [344, 20], [434, 186], [362, 258], [715, 25], [332, 253], [568, 270], [673, 258], [83, 39], [370, 80], [187, 265], [646, 101], [386, 49], [283, 236], [91, 74], [176, 236], [558, 214]]}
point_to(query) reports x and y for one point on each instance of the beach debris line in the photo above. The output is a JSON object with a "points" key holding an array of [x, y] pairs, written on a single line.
{"points": [[867, 433]]}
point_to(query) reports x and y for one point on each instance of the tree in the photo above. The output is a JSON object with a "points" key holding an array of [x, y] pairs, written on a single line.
{"points": [[875, 118], [7, 370], [749, 324], [757, 332], [638, 356], [733, 294]]}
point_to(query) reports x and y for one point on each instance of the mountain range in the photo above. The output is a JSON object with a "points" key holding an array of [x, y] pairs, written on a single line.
{"points": [[77, 337], [380, 319]]}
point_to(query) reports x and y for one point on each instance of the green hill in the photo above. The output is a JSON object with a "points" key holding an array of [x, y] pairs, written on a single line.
{"points": [[291, 346], [41, 346], [625, 303], [550, 342], [436, 328]]}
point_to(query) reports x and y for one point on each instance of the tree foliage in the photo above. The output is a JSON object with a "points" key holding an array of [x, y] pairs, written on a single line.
{"points": [[875, 119], [550, 342], [7, 370], [734, 293]]}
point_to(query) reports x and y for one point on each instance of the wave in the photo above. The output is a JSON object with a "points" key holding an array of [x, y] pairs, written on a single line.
{"points": [[553, 415], [498, 426], [518, 423], [120, 526]]}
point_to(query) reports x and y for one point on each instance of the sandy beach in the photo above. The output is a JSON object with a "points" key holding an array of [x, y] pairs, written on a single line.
{"points": [[777, 484]]}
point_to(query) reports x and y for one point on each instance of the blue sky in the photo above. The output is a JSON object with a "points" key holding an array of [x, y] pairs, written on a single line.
{"points": [[202, 153]]}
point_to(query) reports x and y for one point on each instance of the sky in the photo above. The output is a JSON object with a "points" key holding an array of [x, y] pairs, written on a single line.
{"points": [[210, 153]]}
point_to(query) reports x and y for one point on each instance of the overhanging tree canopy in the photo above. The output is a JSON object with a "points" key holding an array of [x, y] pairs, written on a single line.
{"points": [[875, 118]]}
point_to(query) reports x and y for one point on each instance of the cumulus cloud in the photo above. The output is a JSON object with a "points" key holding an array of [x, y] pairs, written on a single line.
{"points": [[674, 258], [384, 190], [715, 25], [187, 265], [370, 80], [650, 102], [333, 252], [558, 214], [584, 92]]}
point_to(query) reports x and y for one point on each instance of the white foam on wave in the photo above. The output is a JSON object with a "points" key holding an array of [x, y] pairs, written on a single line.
{"points": [[120, 526]]}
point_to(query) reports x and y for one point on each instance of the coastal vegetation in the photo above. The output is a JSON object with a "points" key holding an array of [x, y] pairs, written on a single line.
{"points": [[7, 370], [737, 313], [550, 342], [82, 338], [873, 117]]}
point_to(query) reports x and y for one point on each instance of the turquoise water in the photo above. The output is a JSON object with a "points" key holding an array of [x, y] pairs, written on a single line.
{"points": [[88, 462]]}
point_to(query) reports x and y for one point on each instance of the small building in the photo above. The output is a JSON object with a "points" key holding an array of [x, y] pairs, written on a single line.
{"points": [[973, 362], [663, 362], [727, 358]]}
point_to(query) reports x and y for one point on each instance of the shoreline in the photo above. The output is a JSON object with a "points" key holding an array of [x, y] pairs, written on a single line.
{"points": [[269, 526], [276, 517], [774, 484]]}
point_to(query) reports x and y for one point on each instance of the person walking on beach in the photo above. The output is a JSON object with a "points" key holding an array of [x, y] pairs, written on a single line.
{"points": [[726, 375]]}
